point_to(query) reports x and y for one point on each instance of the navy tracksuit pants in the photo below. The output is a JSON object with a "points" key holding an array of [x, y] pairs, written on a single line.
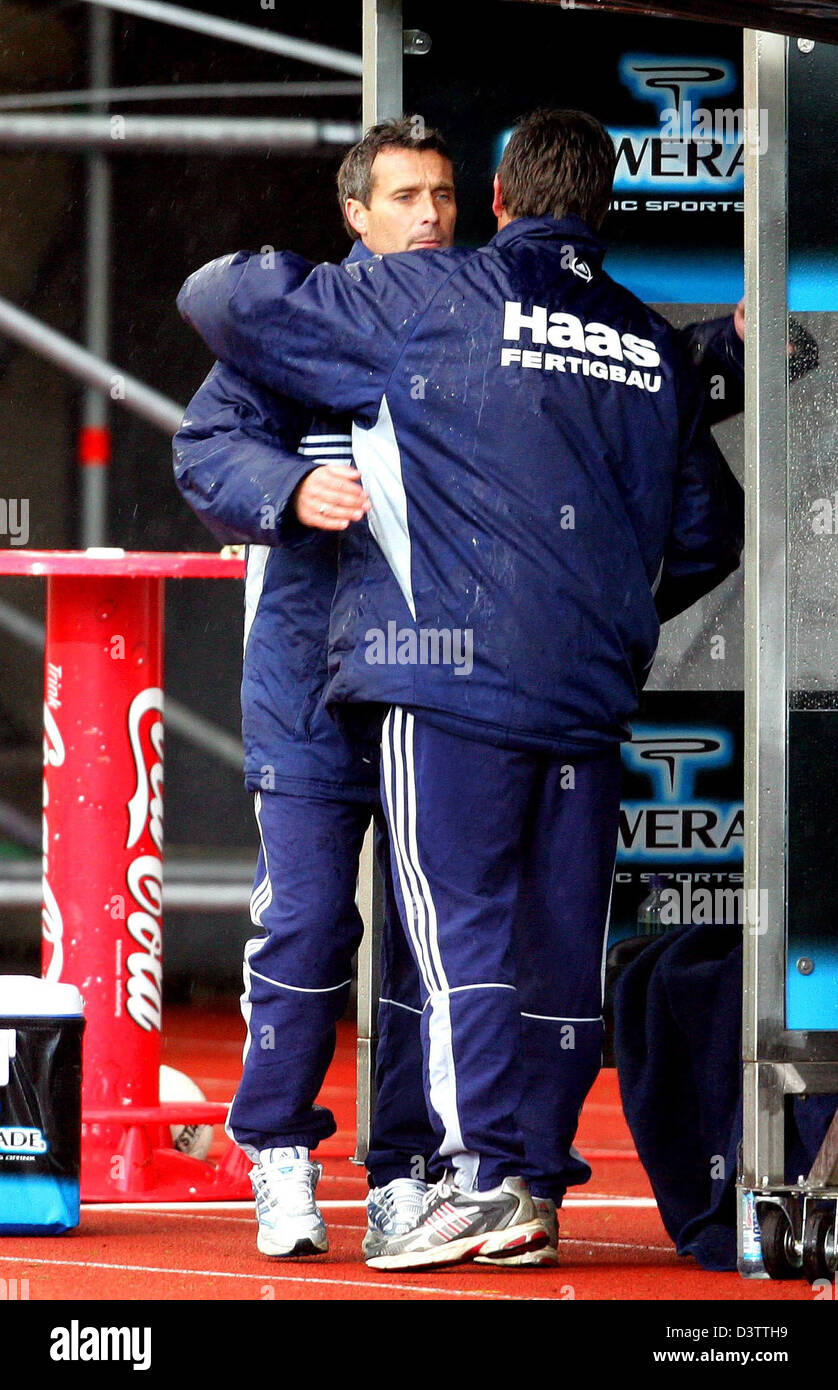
{"points": [[296, 985], [503, 864], [514, 865]]}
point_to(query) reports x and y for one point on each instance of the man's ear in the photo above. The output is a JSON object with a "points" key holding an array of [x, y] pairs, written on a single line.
{"points": [[498, 205], [357, 216]]}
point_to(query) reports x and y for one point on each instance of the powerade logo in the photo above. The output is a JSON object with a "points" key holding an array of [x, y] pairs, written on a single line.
{"points": [[673, 824], [695, 153], [696, 147], [16, 1139]]}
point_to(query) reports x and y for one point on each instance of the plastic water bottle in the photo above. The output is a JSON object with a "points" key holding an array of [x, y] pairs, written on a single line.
{"points": [[748, 1236], [650, 911]]}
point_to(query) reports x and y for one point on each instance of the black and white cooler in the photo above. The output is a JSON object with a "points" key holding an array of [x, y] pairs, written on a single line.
{"points": [[41, 1027]]}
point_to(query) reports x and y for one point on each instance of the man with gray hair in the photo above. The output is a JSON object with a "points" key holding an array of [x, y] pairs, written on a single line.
{"points": [[257, 469]]}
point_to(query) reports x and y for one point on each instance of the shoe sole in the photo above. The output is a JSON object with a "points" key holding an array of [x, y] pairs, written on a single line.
{"points": [[304, 1246], [548, 1257], [371, 1246], [515, 1239]]}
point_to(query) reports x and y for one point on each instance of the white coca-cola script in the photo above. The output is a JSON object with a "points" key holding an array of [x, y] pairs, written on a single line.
{"points": [[52, 924], [144, 876]]}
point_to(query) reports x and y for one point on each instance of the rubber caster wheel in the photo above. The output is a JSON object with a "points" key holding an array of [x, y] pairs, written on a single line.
{"points": [[819, 1246], [778, 1252]]}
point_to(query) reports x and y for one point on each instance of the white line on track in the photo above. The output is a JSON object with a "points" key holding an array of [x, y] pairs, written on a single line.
{"points": [[271, 1278], [640, 1203], [617, 1245]]}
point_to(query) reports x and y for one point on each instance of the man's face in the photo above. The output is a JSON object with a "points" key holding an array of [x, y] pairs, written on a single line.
{"points": [[411, 203]]}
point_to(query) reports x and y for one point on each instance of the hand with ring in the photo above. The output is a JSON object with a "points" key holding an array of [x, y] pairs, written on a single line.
{"points": [[330, 497]]}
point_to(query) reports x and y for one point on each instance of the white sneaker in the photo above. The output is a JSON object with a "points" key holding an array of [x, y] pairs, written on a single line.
{"points": [[392, 1210], [547, 1255], [456, 1226], [289, 1222]]}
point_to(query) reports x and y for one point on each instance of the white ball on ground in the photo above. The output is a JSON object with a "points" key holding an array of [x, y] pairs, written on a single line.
{"points": [[194, 1140]]}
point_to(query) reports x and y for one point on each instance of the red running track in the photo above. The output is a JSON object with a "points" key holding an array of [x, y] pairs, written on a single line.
{"points": [[613, 1245]]}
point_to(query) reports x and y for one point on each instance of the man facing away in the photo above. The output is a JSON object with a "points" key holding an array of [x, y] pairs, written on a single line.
{"points": [[555, 472]]}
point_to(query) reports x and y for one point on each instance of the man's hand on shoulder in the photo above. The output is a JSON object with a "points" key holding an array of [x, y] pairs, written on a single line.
{"points": [[330, 497]]}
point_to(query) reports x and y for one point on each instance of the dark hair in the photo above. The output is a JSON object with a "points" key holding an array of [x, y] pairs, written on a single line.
{"points": [[355, 173], [558, 163]]}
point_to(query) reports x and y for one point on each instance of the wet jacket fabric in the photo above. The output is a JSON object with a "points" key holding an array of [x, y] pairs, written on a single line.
{"points": [[544, 486], [238, 456]]}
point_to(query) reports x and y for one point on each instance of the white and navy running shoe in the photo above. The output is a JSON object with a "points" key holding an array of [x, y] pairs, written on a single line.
{"points": [[533, 1258], [392, 1210], [289, 1222], [456, 1226]]}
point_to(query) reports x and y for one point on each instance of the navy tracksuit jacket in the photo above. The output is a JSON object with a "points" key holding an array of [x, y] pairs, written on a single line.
{"points": [[534, 449], [238, 456], [536, 455]]}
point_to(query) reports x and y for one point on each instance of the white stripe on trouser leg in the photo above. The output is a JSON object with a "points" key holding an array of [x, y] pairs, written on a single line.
{"points": [[425, 887], [261, 898], [393, 778], [605, 940], [442, 1079], [262, 895], [247, 1009]]}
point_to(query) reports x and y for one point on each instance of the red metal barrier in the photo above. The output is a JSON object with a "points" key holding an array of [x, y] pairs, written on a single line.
{"points": [[103, 857]]}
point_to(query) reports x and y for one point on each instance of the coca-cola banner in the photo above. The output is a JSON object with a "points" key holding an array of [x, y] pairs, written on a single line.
{"points": [[103, 823]]}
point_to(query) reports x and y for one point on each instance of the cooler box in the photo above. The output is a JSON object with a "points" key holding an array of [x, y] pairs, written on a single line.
{"points": [[41, 1026]]}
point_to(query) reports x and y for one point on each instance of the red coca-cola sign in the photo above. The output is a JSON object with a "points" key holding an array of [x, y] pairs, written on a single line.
{"points": [[103, 825]]}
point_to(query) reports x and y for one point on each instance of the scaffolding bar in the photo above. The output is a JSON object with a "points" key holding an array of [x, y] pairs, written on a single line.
{"points": [[94, 462], [181, 91], [179, 720], [205, 134], [157, 409], [247, 34]]}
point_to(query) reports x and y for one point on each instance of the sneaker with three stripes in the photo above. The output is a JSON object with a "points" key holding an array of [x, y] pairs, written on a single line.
{"points": [[541, 1258], [456, 1226], [392, 1210], [290, 1223]]}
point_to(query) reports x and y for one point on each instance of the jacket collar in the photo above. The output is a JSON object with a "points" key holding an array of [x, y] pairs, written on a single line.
{"points": [[359, 252], [567, 229]]}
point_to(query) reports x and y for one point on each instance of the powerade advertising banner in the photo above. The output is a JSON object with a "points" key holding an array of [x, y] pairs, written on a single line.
{"points": [[680, 177], [681, 821], [670, 93]]}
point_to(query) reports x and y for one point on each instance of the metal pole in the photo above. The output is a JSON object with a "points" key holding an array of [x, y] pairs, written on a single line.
{"points": [[766, 450], [382, 47], [185, 91], [94, 445], [246, 34], [178, 897], [207, 134], [159, 410], [382, 54]]}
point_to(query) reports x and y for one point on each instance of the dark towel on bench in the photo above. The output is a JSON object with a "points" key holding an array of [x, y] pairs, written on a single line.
{"points": [[677, 1041]]}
